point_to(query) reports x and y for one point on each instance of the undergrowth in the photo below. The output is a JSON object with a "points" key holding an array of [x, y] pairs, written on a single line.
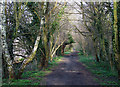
{"points": [[104, 75]]}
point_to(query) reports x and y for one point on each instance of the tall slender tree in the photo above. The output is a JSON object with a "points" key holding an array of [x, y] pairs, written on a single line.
{"points": [[116, 39], [5, 45]]}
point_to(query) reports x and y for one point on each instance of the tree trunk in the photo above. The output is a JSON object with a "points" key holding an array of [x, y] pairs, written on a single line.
{"points": [[116, 39], [46, 47], [95, 50], [4, 68], [5, 46], [110, 55], [9, 33], [42, 63], [62, 49], [0, 50]]}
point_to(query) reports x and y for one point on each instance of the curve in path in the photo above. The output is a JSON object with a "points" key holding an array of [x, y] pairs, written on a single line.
{"points": [[70, 72]]}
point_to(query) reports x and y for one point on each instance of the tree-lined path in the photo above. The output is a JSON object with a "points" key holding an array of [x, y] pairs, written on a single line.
{"points": [[34, 36], [70, 72]]}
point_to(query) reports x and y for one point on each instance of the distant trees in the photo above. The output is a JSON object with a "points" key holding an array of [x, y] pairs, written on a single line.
{"points": [[94, 17], [101, 20]]}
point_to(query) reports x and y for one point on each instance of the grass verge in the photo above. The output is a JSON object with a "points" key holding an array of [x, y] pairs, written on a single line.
{"points": [[104, 75]]}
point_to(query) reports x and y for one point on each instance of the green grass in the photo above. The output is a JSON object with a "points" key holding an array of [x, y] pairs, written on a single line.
{"points": [[28, 78], [68, 52], [33, 77], [81, 53], [54, 62], [17, 82], [104, 75], [33, 74]]}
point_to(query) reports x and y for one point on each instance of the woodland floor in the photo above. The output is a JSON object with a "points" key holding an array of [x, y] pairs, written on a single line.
{"points": [[70, 72]]}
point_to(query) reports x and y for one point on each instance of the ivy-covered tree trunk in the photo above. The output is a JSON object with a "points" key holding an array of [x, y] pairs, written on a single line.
{"points": [[116, 39], [103, 54], [5, 51]]}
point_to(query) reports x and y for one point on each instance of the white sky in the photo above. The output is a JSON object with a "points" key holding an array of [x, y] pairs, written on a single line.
{"points": [[60, 0]]}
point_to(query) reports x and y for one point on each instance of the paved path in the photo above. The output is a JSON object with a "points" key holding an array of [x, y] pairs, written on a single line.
{"points": [[70, 72]]}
